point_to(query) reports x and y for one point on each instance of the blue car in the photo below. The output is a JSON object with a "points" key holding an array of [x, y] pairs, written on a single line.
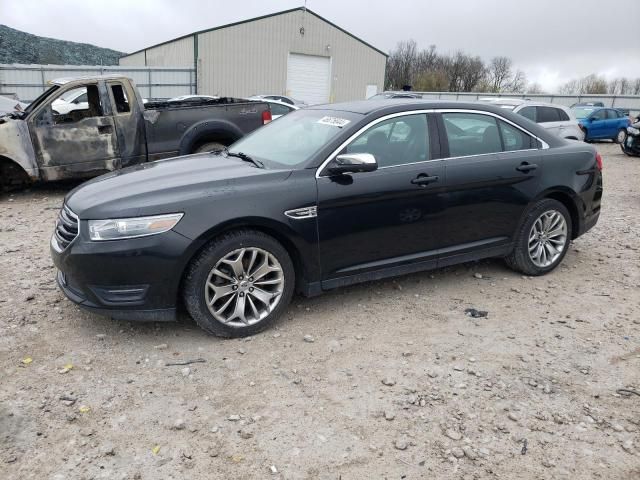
{"points": [[602, 123]]}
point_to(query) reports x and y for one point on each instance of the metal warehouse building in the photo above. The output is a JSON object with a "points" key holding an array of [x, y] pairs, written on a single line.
{"points": [[295, 52]]}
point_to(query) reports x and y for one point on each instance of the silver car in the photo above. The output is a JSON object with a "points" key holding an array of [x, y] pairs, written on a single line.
{"points": [[558, 119]]}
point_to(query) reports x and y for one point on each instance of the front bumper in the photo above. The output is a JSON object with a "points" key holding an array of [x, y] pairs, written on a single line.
{"points": [[134, 279]]}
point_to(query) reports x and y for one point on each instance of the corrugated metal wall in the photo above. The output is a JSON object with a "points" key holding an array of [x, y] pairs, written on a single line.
{"points": [[29, 81], [251, 58], [135, 60], [175, 54]]}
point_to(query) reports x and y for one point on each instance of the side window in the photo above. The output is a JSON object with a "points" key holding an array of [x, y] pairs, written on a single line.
{"points": [[547, 114], [81, 99], [514, 138], [120, 98], [599, 114], [471, 134], [613, 113], [65, 112], [529, 112], [395, 141], [563, 115]]}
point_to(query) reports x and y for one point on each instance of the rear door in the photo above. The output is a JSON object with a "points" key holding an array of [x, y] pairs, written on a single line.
{"points": [[493, 171], [613, 122], [80, 143], [129, 124]]}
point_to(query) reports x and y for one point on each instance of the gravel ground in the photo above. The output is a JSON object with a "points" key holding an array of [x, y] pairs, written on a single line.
{"points": [[387, 379]]}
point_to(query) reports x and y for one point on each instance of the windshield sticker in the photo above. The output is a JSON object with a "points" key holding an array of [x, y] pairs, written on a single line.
{"points": [[334, 121]]}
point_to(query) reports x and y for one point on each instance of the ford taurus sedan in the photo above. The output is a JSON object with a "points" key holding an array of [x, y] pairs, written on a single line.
{"points": [[326, 196]]}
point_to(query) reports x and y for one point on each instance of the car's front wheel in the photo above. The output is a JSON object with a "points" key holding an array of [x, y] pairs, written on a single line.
{"points": [[239, 284], [621, 136], [543, 238]]}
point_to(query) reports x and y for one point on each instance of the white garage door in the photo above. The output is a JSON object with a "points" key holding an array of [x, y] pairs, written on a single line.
{"points": [[309, 78]]}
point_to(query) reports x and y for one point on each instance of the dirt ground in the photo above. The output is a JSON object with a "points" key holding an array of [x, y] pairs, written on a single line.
{"points": [[393, 380]]}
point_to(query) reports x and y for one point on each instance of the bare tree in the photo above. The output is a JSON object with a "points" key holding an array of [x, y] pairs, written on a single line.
{"points": [[401, 65], [534, 88], [499, 73]]}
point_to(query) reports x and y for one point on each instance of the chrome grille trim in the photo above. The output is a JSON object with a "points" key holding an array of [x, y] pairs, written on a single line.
{"points": [[67, 229]]}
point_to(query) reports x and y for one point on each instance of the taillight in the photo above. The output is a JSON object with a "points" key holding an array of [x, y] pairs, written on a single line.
{"points": [[266, 117], [599, 161]]}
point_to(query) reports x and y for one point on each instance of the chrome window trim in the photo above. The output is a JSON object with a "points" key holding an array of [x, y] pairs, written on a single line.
{"points": [[333, 155]]}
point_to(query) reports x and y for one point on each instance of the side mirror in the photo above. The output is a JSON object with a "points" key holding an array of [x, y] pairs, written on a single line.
{"points": [[353, 163]]}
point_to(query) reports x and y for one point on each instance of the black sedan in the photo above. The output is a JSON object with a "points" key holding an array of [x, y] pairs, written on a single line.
{"points": [[324, 197]]}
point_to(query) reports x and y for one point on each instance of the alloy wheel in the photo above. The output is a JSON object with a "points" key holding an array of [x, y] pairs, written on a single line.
{"points": [[621, 137], [244, 287], [547, 238]]}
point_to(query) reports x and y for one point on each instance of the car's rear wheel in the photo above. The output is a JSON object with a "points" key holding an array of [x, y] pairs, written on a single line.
{"points": [[239, 284], [543, 238], [209, 147], [621, 136]]}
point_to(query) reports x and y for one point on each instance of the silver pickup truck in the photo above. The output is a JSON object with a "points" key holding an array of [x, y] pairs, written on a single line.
{"points": [[109, 127]]}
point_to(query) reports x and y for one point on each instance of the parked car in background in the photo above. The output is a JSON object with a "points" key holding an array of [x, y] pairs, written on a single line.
{"points": [[75, 99], [602, 123], [116, 129], [326, 196], [8, 105], [279, 98], [193, 98], [588, 104], [557, 119], [390, 95], [278, 108], [631, 145]]}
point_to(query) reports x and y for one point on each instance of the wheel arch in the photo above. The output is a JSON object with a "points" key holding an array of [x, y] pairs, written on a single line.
{"points": [[279, 231], [570, 200], [220, 131], [12, 173]]}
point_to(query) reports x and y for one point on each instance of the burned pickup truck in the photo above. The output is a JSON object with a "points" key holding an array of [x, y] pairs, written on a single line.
{"points": [[107, 126]]}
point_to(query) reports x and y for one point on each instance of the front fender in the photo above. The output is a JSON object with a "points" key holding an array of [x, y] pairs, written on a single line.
{"points": [[15, 145]]}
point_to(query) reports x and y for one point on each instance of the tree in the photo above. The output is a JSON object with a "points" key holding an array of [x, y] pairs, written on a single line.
{"points": [[401, 65], [498, 73], [534, 88]]}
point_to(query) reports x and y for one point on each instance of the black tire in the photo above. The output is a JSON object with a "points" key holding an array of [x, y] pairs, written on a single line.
{"points": [[209, 147], [193, 291], [620, 137], [519, 258]]}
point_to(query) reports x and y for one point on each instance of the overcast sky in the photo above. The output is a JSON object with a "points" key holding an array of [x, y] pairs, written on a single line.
{"points": [[551, 40]]}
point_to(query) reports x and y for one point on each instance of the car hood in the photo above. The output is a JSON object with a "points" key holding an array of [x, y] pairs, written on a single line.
{"points": [[167, 186]]}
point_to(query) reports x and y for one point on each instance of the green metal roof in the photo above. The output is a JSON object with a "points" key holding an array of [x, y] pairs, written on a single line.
{"points": [[259, 18]]}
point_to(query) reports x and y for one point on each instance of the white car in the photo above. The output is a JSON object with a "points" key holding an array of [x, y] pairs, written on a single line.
{"points": [[75, 99], [558, 119], [280, 98], [8, 105], [193, 98], [278, 109]]}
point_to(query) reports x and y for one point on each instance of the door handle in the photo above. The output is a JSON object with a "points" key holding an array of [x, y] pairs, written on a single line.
{"points": [[526, 167], [423, 179], [104, 129]]}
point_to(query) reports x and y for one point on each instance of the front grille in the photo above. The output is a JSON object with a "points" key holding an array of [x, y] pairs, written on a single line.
{"points": [[66, 228]]}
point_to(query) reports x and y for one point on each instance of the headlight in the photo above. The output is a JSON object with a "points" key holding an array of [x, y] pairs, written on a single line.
{"points": [[120, 228], [633, 131]]}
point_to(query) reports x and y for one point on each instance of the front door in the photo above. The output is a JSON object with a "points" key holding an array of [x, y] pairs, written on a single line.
{"points": [[81, 142], [492, 174], [130, 128], [391, 217]]}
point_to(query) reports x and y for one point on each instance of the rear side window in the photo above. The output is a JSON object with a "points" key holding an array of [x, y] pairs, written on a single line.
{"points": [[471, 134], [547, 114], [613, 114], [563, 115], [514, 138], [120, 98], [529, 112], [279, 109]]}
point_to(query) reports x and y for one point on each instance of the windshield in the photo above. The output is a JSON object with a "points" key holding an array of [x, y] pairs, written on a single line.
{"points": [[582, 112], [293, 139]]}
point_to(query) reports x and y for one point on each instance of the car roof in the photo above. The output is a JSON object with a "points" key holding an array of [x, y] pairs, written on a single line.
{"points": [[390, 106]]}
